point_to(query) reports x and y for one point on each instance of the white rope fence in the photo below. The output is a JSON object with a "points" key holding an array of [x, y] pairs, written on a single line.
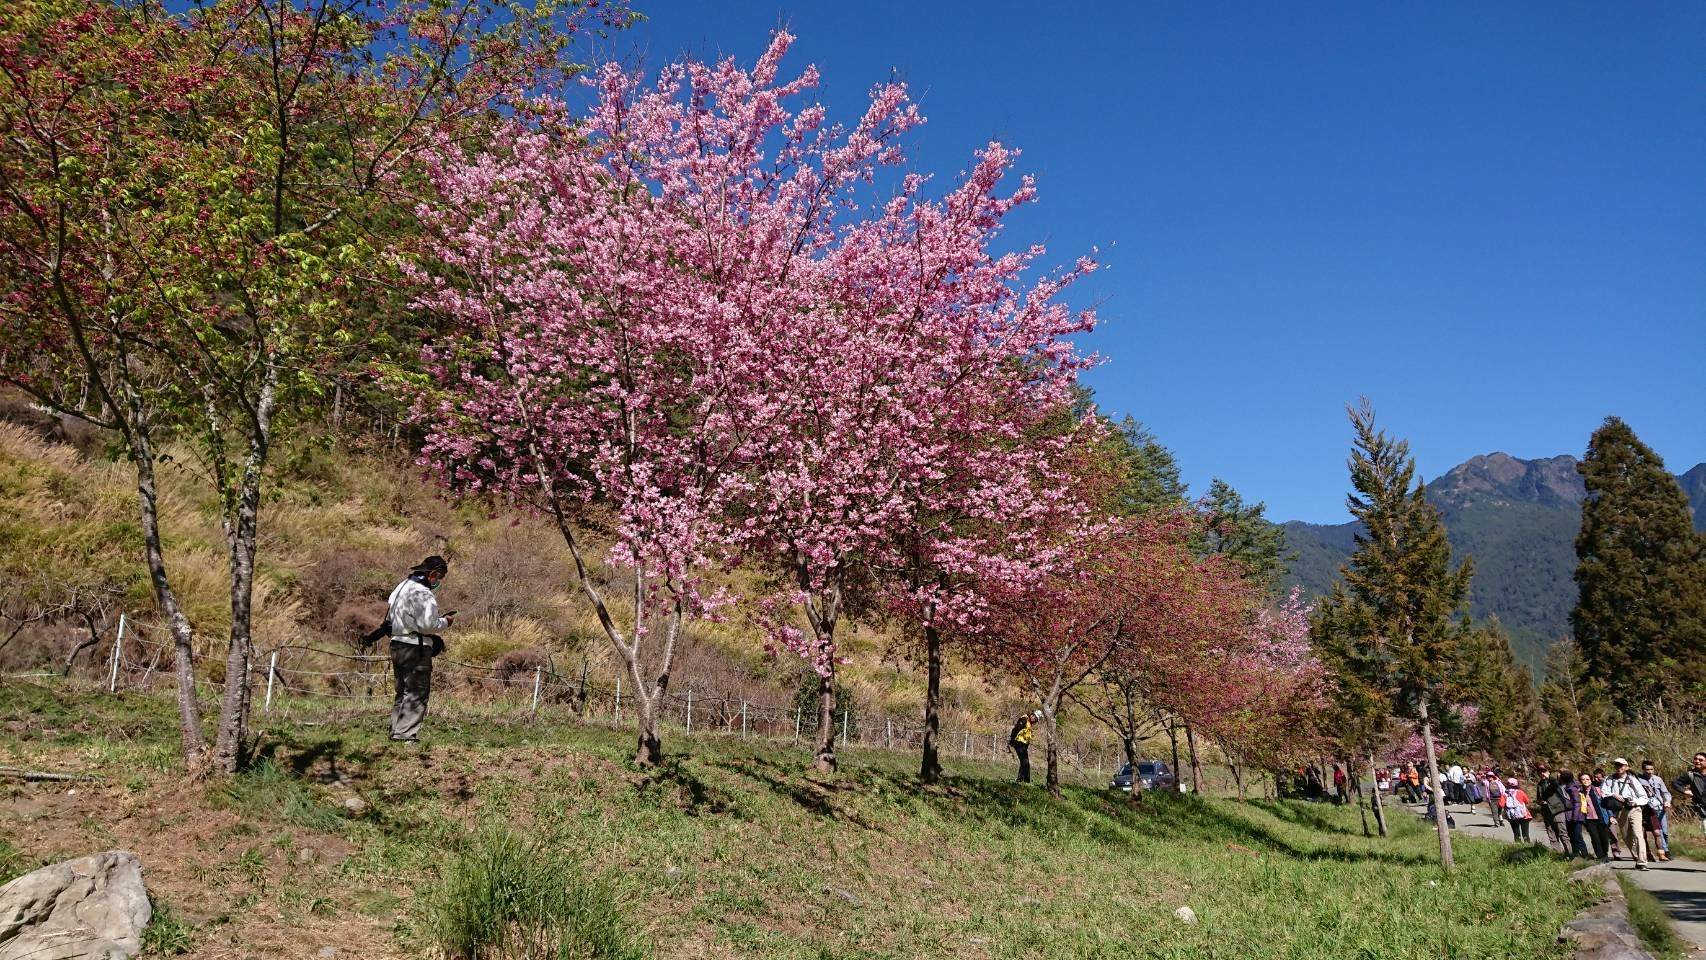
{"points": [[296, 675]]}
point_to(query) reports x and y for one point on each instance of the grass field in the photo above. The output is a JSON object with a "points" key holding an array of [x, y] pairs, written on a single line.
{"points": [[733, 850]]}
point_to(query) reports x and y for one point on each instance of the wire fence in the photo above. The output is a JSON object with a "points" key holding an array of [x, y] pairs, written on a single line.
{"points": [[290, 678]]}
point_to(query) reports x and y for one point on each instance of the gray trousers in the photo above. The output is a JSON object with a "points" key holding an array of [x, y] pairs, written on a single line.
{"points": [[412, 665]]}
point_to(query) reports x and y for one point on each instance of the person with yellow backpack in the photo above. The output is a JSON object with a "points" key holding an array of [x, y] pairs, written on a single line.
{"points": [[1019, 741]]}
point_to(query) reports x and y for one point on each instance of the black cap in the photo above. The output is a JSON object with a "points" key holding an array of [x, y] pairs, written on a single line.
{"points": [[432, 564]]}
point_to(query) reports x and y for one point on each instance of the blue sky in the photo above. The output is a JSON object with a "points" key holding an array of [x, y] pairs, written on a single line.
{"points": [[1492, 222]]}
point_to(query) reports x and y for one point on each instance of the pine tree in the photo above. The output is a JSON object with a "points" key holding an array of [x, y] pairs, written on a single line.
{"points": [[1581, 717], [1243, 534], [1508, 722], [1149, 473], [1395, 625], [1640, 620]]}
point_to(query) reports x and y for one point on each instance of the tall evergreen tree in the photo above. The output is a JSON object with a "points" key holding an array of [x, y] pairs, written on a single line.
{"points": [[1242, 533], [1395, 624], [1149, 472], [1580, 716], [1640, 620], [1508, 722]]}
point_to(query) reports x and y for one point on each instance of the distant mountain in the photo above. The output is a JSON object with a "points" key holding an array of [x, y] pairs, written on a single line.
{"points": [[1518, 519]]}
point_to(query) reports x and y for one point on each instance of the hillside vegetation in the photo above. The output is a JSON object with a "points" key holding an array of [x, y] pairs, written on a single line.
{"points": [[341, 526], [731, 850]]}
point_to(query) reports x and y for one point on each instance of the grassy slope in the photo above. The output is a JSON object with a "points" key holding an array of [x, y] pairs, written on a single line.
{"points": [[736, 851]]}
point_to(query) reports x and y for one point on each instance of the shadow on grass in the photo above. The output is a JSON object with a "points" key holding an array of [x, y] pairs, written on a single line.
{"points": [[1294, 812], [672, 783]]}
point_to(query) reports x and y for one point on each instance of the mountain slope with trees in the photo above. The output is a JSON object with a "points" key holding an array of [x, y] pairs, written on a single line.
{"points": [[1518, 518]]}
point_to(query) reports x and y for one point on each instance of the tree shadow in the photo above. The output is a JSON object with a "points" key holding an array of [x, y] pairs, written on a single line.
{"points": [[1303, 817], [671, 783], [810, 795]]}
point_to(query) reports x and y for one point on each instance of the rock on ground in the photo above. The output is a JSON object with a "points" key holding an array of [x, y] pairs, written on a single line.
{"points": [[1604, 930], [90, 908]]}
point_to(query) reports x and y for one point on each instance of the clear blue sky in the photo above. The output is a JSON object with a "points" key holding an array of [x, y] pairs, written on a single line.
{"points": [[1491, 222]]}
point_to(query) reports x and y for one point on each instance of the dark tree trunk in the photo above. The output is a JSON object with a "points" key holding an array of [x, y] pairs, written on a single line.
{"points": [[1379, 811], [1173, 735], [930, 763], [1196, 764]]}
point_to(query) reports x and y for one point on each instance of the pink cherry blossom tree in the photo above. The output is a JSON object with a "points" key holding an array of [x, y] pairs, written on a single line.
{"points": [[632, 298]]}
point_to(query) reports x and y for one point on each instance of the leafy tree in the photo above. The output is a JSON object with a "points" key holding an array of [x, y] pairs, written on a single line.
{"points": [[1640, 620], [1581, 719], [1393, 626], [1241, 533], [194, 201]]}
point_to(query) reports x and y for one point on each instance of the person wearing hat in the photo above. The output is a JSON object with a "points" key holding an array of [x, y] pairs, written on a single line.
{"points": [[415, 622], [1628, 798], [1019, 741]]}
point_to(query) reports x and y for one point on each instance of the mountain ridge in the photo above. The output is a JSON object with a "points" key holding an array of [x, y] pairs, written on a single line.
{"points": [[1518, 518]]}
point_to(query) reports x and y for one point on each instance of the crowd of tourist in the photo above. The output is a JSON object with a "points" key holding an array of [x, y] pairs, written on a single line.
{"points": [[1591, 814]]}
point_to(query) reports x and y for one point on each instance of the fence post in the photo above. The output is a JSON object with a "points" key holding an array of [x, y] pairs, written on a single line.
{"points": [[797, 711], [618, 700], [538, 677], [965, 745], [272, 671], [689, 709], [992, 746], [844, 728], [888, 734], [743, 718], [118, 646]]}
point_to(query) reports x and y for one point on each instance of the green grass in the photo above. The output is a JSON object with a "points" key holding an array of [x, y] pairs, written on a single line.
{"points": [[167, 935], [506, 895], [735, 849], [1652, 922]]}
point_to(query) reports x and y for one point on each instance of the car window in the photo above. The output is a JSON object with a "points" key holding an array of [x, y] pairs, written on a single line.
{"points": [[1146, 768]]}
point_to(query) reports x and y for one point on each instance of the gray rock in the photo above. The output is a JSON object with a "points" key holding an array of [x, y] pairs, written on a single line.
{"points": [[1185, 915], [91, 908], [355, 805]]}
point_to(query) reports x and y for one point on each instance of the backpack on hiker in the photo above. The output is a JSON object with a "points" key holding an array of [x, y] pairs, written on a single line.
{"points": [[1515, 809]]}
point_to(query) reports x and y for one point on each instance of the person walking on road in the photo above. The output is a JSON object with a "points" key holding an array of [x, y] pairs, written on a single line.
{"points": [[1548, 790], [415, 622], [1496, 797], [1628, 798], [1019, 741], [1691, 784], [1587, 815], [1454, 784], [1517, 813], [1657, 812]]}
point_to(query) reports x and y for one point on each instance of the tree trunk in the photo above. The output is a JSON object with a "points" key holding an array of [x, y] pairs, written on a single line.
{"points": [[930, 764], [1196, 764], [648, 748], [1051, 741], [1440, 813], [183, 647], [824, 752], [1173, 735], [1356, 791], [1237, 778], [1379, 811], [1128, 744]]}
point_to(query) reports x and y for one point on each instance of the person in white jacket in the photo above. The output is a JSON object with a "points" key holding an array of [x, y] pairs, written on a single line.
{"points": [[415, 621], [1632, 797]]}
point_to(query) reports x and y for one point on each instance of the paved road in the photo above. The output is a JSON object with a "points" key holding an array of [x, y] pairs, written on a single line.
{"points": [[1680, 884]]}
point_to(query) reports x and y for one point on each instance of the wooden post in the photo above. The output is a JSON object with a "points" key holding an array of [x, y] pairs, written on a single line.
{"points": [[538, 678], [118, 647], [888, 734], [689, 709], [797, 724], [618, 700], [844, 728], [743, 718], [272, 671]]}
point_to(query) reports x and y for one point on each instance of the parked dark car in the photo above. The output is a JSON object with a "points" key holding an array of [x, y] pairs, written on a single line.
{"points": [[1153, 774]]}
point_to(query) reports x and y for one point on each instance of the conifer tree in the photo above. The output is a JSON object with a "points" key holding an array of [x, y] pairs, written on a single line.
{"points": [[1243, 534], [1581, 717], [1640, 620], [1508, 723], [1395, 624]]}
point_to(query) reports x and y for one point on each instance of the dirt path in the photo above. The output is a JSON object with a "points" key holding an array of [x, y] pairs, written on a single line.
{"points": [[1679, 884]]}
